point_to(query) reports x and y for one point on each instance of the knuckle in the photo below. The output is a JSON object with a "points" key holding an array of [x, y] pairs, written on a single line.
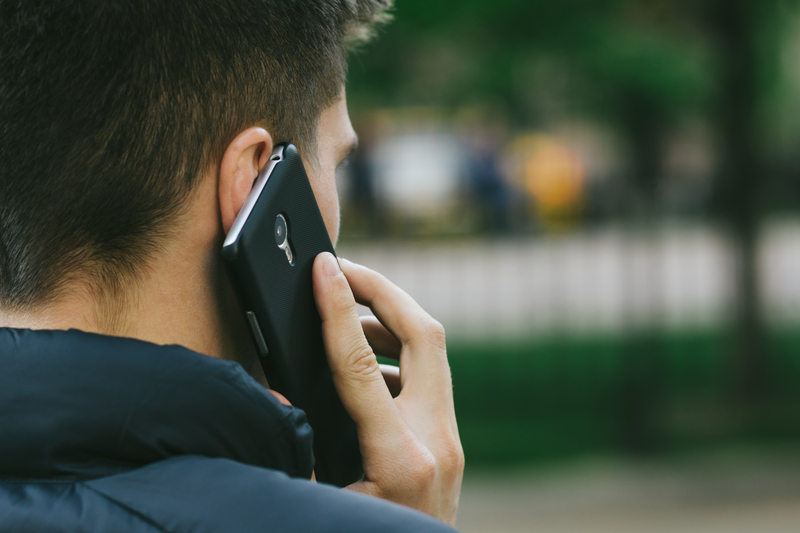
{"points": [[362, 361], [450, 453], [434, 332], [422, 470], [452, 456]]}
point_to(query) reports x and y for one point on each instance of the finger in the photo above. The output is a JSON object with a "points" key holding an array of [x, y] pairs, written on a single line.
{"points": [[380, 338], [355, 370], [395, 309], [391, 375], [281, 398], [423, 362]]}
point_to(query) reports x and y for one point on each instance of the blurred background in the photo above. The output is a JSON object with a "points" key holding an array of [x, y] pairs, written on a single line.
{"points": [[600, 200]]}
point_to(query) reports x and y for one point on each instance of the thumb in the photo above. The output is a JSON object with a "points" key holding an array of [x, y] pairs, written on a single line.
{"points": [[355, 369], [281, 398]]}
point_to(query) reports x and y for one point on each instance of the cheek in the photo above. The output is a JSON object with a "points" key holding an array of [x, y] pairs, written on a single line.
{"points": [[328, 200]]}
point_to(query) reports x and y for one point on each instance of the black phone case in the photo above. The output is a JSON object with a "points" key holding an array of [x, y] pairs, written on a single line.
{"points": [[281, 297]]}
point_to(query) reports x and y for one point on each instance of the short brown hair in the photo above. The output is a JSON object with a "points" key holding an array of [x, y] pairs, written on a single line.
{"points": [[110, 111]]}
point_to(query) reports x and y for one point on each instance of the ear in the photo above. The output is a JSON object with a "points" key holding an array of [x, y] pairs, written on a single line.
{"points": [[243, 159]]}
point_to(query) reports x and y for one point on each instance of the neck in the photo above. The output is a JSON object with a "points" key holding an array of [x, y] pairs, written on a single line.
{"points": [[163, 309], [183, 297]]}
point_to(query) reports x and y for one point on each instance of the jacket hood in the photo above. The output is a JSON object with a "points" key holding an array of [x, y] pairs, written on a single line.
{"points": [[75, 404]]}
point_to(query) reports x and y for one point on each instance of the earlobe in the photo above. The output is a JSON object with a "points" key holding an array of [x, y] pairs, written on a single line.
{"points": [[243, 159]]}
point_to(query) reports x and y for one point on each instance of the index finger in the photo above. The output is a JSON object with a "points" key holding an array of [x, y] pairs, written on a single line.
{"points": [[423, 359], [398, 311], [355, 369]]}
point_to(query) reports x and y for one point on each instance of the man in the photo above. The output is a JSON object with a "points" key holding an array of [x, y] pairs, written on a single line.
{"points": [[130, 135]]}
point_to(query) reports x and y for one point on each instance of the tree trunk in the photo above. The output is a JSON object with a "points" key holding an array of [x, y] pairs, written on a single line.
{"points": [[738, 190], [642, 380]]}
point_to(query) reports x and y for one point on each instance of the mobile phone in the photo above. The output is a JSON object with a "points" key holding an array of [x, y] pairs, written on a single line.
{"points": [[269, 253]]}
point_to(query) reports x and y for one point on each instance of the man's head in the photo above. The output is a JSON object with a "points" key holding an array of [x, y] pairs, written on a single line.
{"points": [[112, 112]]}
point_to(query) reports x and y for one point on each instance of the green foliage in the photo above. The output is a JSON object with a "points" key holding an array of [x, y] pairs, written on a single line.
{"points": [[498, 52], [536, 401]]}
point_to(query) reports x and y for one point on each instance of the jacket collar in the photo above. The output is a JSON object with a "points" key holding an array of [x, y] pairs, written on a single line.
{"points": [[74, 404]]}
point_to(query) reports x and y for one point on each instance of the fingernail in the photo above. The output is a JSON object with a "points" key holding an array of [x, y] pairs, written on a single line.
{"points": [[330, 266]]}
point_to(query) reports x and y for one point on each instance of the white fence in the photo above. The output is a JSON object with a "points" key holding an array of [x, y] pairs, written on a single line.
{"points": [[607, 280]]}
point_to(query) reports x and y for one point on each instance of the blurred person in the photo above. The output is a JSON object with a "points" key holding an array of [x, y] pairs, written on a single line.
{"points": [[131, 134], [487, 186], [363, 197]]}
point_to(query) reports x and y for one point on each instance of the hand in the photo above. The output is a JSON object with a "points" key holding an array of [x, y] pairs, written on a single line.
{"points": [[410, 445]]}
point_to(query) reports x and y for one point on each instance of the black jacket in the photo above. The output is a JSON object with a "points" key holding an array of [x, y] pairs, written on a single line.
{"points": [[117, 435]]}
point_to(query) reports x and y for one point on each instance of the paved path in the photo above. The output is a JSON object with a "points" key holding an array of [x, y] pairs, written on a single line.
{"points": [[721, 493]]}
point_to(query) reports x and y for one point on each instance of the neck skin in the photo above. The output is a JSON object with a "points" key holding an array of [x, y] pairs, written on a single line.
{"points": [[182, 298]]}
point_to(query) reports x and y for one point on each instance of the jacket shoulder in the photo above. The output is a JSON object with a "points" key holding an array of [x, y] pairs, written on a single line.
{"points": [[34, 506], [192, 493]]}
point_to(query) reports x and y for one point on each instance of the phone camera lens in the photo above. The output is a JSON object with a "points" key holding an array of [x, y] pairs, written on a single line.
{"points": [[281, 231]]}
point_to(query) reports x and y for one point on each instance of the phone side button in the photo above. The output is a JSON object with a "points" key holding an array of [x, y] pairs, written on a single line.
{"points": [[262, 345]]}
